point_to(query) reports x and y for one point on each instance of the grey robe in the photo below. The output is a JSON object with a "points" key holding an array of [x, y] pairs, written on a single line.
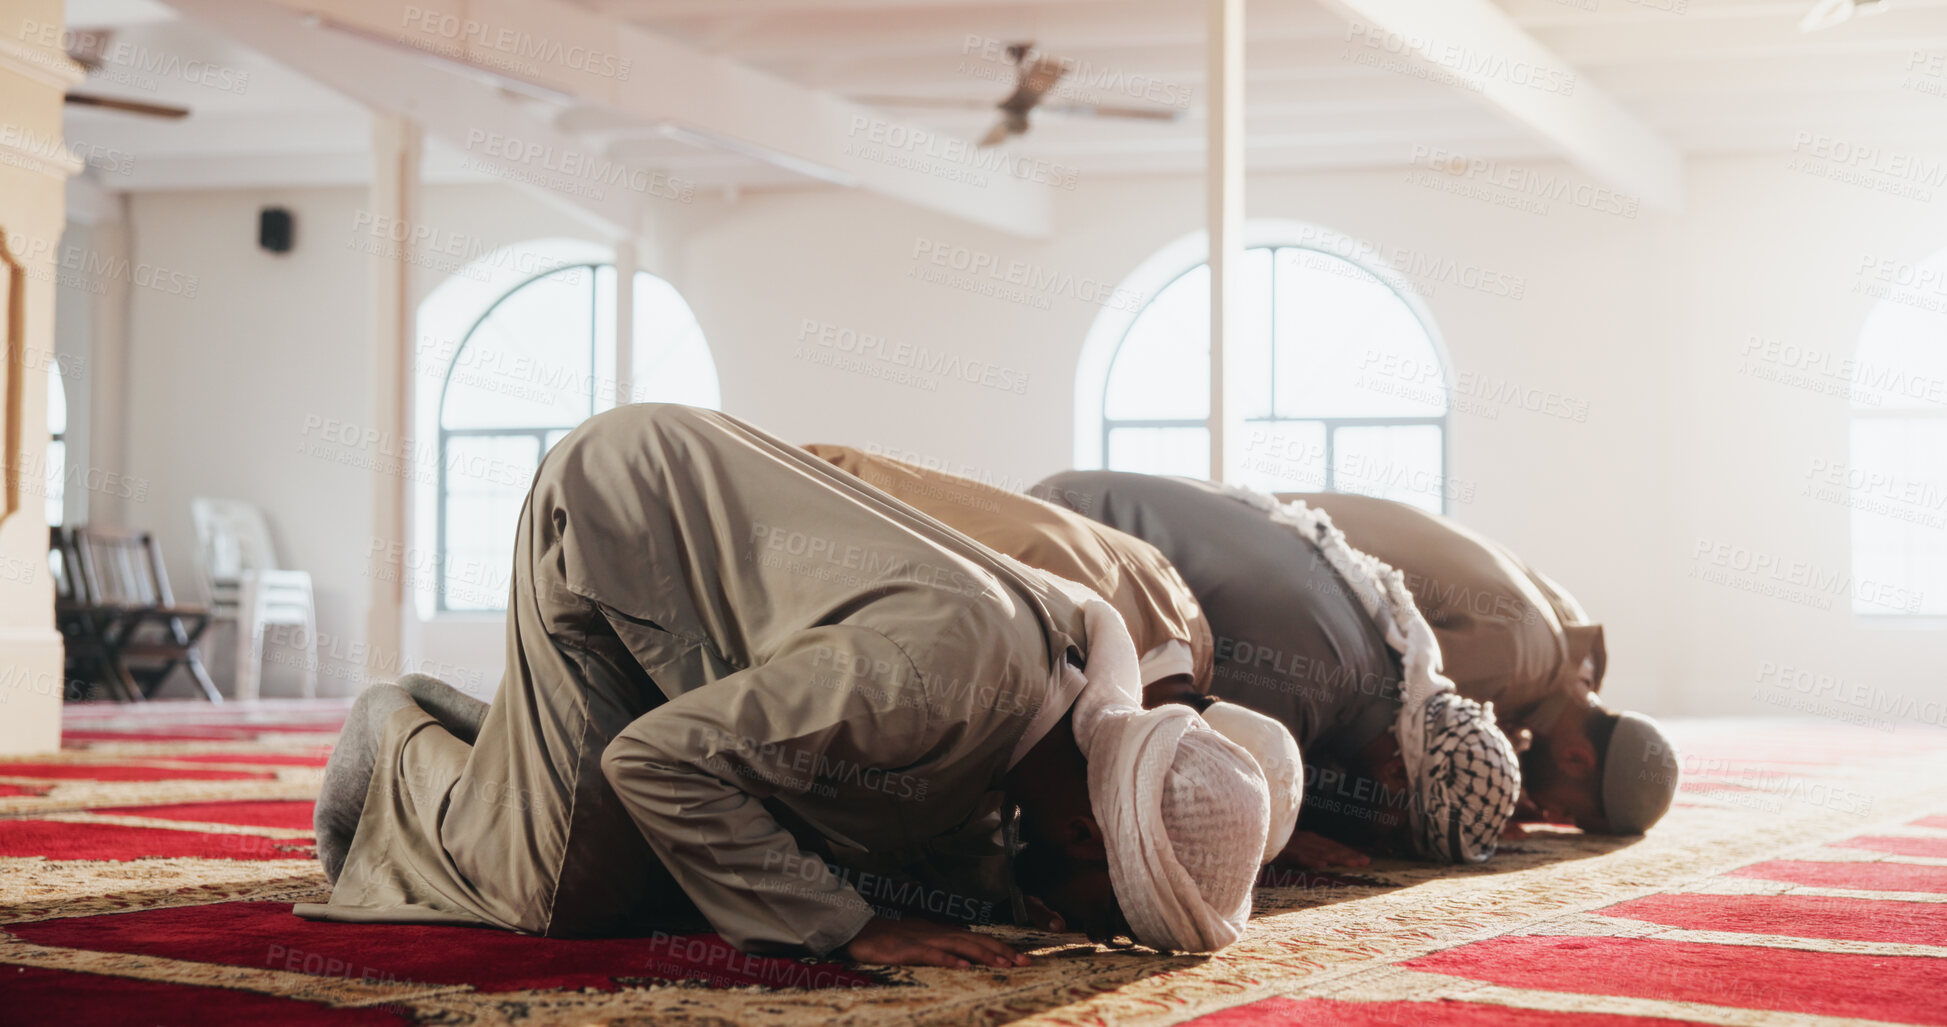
{"points": [[1292, 640], [728, 662]]}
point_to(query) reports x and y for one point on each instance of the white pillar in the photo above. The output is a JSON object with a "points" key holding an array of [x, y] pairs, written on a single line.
{"points": [[1224, 185], [394, 194], [33, 74]]}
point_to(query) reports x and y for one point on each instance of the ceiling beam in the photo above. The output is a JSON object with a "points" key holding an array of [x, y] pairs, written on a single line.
{"points": [[733, 106], [1075, 33], [1475, 46], [660, 9], [445, 106], [575, 56]]}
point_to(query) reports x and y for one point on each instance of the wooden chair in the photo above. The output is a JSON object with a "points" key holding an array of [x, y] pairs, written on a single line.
{"points": [[115, 606], [83, 668]]}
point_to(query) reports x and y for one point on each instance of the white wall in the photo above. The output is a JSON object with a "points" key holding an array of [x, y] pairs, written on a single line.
{"points": [[233, 369], [1774, 252], [1638, 320], [249, 377]]}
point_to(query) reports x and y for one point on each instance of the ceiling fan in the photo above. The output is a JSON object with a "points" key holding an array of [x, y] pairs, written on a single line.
{"points": [[1827, 13], [1035, 75], [88, 47]]}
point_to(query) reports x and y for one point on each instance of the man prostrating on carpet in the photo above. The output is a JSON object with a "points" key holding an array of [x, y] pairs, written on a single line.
{"points": [[1326, 640], [742, 679], [1510, 636]]}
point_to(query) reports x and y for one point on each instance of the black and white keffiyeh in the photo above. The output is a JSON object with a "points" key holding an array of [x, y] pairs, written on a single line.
{"points": [[1468, 783], [1464, 773]]}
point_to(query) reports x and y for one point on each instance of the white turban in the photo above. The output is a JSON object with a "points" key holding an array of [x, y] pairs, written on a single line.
{"points": [[1463, 772], [1185, 812]]}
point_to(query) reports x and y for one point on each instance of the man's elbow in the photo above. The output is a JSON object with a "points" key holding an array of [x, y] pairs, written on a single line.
{"points": [[627, 761]]}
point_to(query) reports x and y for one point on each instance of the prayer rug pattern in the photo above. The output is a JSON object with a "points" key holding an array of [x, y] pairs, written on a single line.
{"points": [[147, 870]]}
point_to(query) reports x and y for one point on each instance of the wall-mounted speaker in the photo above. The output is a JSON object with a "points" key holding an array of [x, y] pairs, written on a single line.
{"points": [[276, 229]]}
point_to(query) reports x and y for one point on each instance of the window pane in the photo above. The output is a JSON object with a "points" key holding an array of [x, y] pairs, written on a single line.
{"points": [[57, 467], [1284, 456], [1398, 462], [1251, 346], [534, 367], [604, 386], [1348, 346], [672, 361], [528, 363], [1160, 451], [57, 401], [1162, 368], [1901, 362], [1319, 338], [487, 478], [1896, 486]]}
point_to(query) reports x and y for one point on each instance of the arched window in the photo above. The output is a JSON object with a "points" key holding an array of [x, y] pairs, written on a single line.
{"points": [[56, 462], [1345, 388], [1895, 481], [534, 363]]}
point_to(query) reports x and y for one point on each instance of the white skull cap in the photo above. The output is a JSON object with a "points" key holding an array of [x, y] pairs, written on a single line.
{"points": [[1276, 752]]}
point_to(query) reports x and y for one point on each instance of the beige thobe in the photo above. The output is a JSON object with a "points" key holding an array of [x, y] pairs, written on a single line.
{"points": [[1507, 634], [729, 665], [1163, 616]]}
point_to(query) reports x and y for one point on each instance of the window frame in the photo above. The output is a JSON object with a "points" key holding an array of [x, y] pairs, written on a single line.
{"points": [[1185, 256], [448, 316], [54, 482], [540, 434]]}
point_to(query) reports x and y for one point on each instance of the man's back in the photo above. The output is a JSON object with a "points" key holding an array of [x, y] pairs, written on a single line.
{"points": [[1131, 574], [757, 541], [1501, 640], [1292, 640]]}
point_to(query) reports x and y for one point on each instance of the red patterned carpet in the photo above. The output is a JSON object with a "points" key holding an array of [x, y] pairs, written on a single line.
{"points": [[147, 872]]}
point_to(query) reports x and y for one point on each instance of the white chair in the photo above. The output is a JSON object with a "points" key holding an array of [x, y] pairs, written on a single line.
{"points": [[245, 585]]}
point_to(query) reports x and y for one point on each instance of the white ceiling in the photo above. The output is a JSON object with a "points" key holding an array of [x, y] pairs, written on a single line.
{"points": [[1721, 75], [1711, 76]]}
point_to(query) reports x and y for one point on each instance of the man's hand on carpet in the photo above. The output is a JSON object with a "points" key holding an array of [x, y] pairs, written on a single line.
{"points": [[924, 943], [1041, 916], [1316, 852], [1527, 812]]}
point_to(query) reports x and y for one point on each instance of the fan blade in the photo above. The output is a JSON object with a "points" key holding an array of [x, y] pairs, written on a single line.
{"points": [[1090, 110], [940, 102], [87, 46], [153, 110], [1035, 81]]}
